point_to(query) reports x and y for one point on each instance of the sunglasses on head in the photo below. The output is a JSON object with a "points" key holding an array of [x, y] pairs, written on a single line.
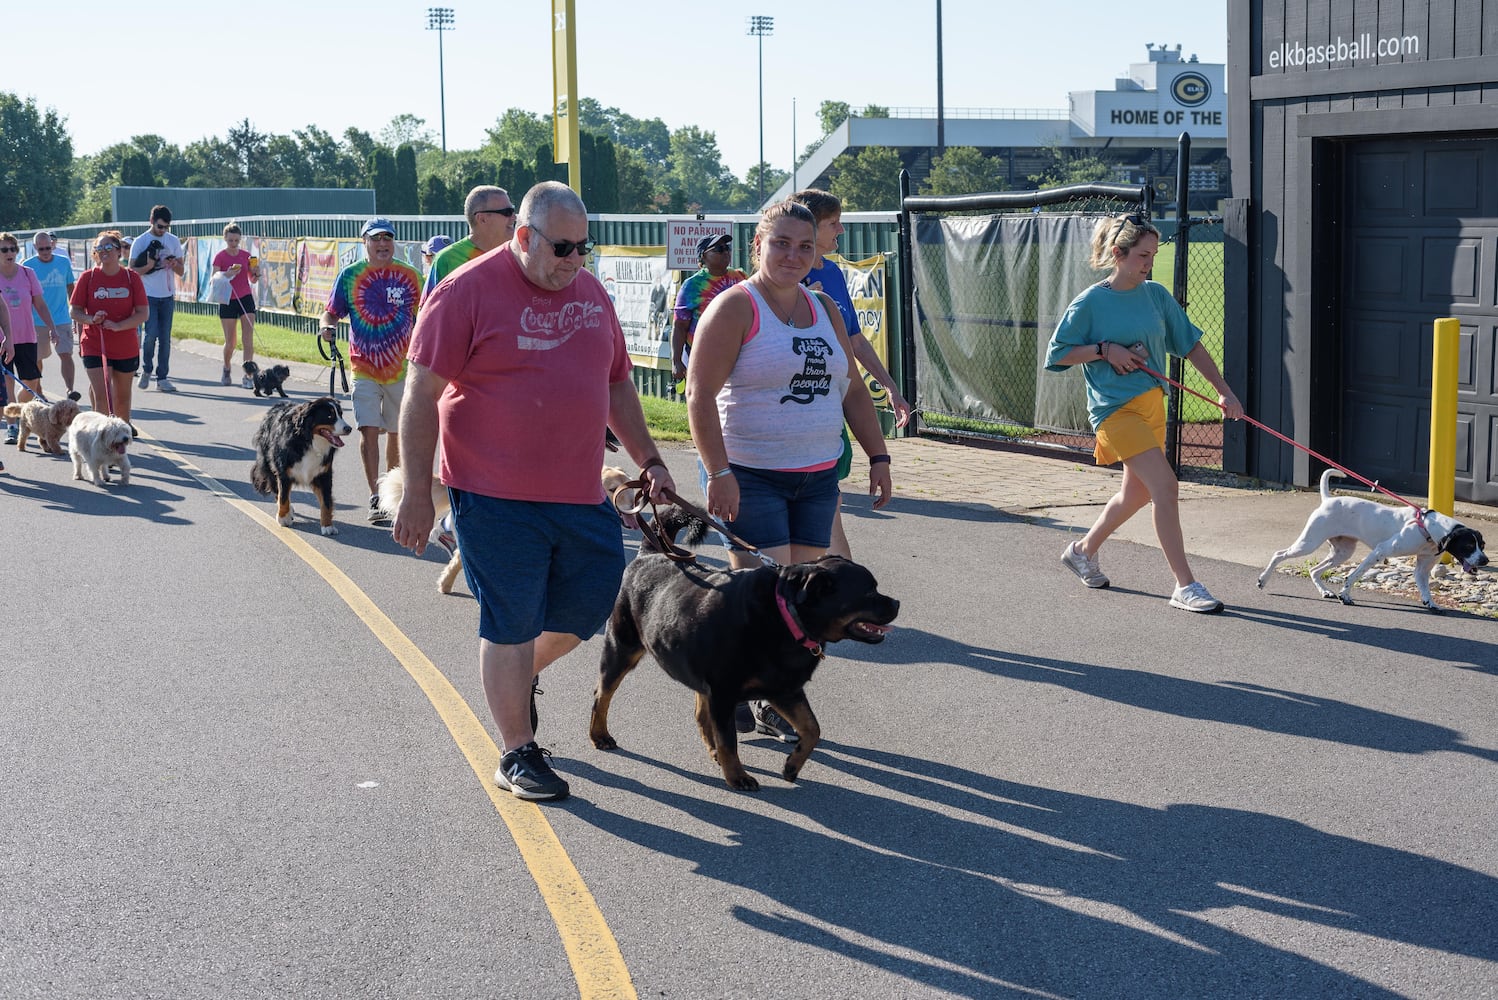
{"points": [[1136, 220], [565, 248]]}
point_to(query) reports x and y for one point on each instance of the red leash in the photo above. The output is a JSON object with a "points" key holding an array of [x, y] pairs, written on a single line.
{"points": [[1315, 454]]}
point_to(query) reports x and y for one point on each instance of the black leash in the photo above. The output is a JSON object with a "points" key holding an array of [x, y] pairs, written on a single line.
{"points": [[659, 538], [334, 358], [24, 387]]}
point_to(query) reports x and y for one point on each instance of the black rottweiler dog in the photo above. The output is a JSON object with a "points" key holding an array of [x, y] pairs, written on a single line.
{"points": [[735, 635], [268, 380]]}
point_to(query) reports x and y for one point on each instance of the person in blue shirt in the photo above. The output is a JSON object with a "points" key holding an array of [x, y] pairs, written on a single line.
{"points": [[1112, 329]]}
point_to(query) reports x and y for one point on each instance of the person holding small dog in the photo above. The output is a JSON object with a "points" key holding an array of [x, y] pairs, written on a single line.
{"points": [[158, 260], [110, 299], [1112, 329], [519, 364], [237, 264]]}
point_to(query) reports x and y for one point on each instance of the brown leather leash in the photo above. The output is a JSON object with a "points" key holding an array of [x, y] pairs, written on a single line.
{"points": [[657, 536]]}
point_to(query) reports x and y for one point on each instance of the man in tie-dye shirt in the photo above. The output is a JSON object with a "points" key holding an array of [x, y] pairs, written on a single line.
{"points": [[379, 295], [714, 253]]}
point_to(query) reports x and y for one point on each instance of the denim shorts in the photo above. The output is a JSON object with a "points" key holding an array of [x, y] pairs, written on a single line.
{"points": [[783, 508], [538, 567]]}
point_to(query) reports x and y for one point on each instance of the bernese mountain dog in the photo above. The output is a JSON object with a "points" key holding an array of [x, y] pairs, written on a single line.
{"points": [[294, 445]]}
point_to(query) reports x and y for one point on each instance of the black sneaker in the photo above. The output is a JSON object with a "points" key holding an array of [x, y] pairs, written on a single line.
{"points": [[525, 773], [376, 515], [773, 724], [74, 395], [743, 717]]}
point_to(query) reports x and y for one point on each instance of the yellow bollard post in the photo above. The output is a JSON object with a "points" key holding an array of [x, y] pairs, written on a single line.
{"points": [[1442, 495]]}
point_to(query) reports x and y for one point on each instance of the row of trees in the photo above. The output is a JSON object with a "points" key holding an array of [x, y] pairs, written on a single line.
{"points": [[629, 165]]}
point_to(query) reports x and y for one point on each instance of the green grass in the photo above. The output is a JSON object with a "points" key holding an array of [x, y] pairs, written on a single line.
{"points": [[667, 419], [1205, 308]]}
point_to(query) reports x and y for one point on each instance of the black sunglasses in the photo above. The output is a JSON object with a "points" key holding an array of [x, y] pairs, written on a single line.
{"points": [[10, 249], [1136, 220], [506, 212], [565, 248], [106, 247]]}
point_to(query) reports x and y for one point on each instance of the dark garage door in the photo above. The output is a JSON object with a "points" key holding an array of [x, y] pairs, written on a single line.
{"points": [[1421, 242]]}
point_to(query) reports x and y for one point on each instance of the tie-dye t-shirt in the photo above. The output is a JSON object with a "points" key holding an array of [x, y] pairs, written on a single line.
{"points": [[448, 260], [698, 290], [380, 303]]}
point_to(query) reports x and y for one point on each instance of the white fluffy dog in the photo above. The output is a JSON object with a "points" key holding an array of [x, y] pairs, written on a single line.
{"points": [[96, 441]]}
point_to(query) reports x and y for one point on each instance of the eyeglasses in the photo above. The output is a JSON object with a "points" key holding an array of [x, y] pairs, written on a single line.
{"points": [[46, 249], [163, 226], [379, 237], [565, 248], [506, 212], [106, 247]]}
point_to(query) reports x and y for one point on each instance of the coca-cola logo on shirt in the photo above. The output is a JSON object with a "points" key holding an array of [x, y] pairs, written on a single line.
{"points": [[545, 329]]}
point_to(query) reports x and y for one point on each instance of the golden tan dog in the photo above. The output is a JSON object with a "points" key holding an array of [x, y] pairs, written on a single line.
{"points": [[48, 421]]}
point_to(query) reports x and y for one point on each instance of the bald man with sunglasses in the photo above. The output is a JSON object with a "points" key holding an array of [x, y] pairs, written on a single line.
{"points": [[491, 223], [518, 363]]}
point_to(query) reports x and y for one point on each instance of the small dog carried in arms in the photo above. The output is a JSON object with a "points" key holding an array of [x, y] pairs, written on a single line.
{"points": [[1388, 531], [736, 635], [97, 441], [294, 446], [268, 380], [48, 421]]}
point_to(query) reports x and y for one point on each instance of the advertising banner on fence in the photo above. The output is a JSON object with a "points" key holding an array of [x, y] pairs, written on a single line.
{"points": [[316, 266], [866, 286], [640, 285], [188, 281], [276, 290]]}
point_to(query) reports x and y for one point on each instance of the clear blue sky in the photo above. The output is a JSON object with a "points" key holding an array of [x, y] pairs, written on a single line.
{"points": [[284, 65]]}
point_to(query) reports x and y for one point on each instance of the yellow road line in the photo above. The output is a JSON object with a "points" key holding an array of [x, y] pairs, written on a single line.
{"points": [[597, 964]]}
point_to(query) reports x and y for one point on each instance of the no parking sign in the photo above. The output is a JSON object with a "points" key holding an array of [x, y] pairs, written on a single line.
{"points": [[682, 236]]}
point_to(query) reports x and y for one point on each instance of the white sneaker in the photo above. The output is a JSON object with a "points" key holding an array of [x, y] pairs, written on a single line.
{"points": [[145, 380], [1086, 569], [165, 385], [1194, 597]]}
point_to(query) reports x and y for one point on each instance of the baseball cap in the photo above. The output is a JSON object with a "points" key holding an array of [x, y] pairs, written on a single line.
{"points": [[709, 242], [379, 225], [436, 243]]}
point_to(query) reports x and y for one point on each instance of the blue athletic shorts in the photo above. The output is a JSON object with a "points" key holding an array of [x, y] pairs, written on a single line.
{"points": [[538, 567], [783, 508]]}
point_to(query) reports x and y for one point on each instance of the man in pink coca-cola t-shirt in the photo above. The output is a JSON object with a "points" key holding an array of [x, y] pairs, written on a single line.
{"points": [[518, 363]]}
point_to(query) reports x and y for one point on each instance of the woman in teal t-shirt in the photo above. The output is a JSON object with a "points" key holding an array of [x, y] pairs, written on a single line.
{"points": [[1111, 329]]}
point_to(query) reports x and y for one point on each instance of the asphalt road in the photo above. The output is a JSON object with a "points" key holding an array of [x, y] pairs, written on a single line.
{"points": [[248, 761]]}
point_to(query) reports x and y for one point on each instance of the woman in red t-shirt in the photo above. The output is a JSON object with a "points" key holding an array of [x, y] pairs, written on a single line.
{"points": [[111, 301]]}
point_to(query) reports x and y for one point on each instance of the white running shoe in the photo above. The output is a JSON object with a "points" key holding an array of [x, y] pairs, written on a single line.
{"points": [[1086, 569], [1194, 597]]}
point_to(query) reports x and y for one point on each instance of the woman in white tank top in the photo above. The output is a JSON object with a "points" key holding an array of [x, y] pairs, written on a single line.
{"points": [[771, 381]]}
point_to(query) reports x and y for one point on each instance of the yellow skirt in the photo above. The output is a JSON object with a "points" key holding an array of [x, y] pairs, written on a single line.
{"points": [[1132, 429]]}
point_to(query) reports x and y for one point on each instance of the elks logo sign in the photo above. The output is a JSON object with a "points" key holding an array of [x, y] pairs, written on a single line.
{"points": [[1190, 90]]}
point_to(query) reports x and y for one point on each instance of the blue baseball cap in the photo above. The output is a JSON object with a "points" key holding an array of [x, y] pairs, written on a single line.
{"points": [[379, 225], [436, 243]]}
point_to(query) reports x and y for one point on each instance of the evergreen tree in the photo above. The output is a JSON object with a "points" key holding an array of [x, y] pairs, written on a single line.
{"points": [[407, 198], [381, 172]]}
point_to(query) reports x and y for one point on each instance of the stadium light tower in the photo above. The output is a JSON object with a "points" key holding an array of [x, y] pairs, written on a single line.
{"points": [[761, 25], [440, 19]]}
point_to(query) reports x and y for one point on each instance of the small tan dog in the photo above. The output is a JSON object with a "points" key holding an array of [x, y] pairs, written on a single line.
{"points": [[48, 421], [392, 486]]}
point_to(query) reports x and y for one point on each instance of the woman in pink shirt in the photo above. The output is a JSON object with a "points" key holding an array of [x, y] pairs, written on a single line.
{"points": [[241, 269]]}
